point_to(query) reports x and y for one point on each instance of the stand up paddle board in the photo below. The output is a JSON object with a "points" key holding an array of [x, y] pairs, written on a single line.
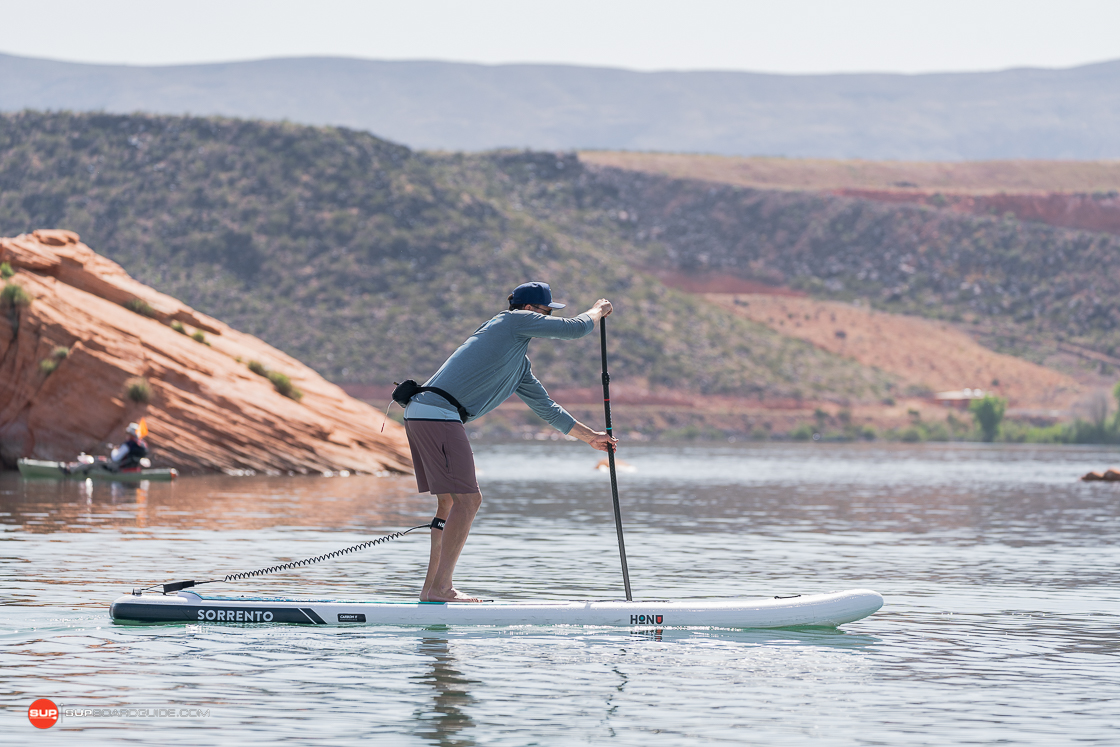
{"points": [[822, 610]]}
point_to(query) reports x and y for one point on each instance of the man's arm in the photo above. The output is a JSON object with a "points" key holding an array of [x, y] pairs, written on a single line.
{"points": [[594, 439], [559, 328], [533, 393]]}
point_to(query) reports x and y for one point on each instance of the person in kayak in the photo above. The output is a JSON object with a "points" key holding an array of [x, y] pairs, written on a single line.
{"points": [[486, 369], [132, 452]]}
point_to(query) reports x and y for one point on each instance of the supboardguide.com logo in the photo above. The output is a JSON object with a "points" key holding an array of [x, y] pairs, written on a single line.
{"points": [[43, 713]]}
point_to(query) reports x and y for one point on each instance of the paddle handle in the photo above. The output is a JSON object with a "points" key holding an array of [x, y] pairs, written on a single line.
{"points": [[610, 457]]}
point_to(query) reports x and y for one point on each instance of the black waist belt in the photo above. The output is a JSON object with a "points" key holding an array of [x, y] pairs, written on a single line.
{"points": [[408, 389]]}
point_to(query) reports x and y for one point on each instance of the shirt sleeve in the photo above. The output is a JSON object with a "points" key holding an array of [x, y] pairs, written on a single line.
{"points": [[533, 393], [554, 327], [119, 453]]}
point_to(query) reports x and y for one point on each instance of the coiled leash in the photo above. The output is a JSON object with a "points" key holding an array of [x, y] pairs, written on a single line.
{"points": [[436, 523]]}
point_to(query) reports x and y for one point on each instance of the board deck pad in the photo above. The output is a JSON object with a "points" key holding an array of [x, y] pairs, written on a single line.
{"points": [[823, 610]]}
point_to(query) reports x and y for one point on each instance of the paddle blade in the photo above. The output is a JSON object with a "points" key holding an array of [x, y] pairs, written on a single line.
{"points": [[143, 431]]}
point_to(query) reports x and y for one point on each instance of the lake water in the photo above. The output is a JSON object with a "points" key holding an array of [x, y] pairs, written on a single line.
{"points": [[999, 568]]}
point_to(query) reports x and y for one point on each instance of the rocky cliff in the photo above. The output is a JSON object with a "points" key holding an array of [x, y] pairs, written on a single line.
{"points": [[84, 349]]}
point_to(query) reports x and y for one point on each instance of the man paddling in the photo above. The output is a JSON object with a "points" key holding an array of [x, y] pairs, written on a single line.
{"points": [[486, 369], [132, 454]]}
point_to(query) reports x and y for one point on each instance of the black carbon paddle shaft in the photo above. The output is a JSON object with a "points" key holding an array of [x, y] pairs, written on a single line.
{"points": [[610, 457]]}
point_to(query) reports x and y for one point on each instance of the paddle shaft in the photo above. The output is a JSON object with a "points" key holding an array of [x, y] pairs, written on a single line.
{"points": [[610, 457]]}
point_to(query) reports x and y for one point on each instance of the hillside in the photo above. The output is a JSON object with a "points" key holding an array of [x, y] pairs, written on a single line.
{"points": [[820, 175], [926, 356], [1069, 194], [371, 262], [1023, 286], [1022, 113]]}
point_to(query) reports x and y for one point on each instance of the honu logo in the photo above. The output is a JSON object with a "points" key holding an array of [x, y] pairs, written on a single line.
{"points": [[646, 619]]}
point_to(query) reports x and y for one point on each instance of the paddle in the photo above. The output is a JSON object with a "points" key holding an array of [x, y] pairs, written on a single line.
{"points": [[610, 457]]}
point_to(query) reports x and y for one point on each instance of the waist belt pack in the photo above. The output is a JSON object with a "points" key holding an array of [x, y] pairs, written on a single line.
{"points": [[408, 389]]}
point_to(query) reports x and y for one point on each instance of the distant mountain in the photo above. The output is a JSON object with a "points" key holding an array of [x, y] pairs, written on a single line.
{"points": [[1023, 113]]}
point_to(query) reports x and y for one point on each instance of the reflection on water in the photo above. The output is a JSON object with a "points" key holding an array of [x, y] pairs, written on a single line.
{"points": [[1002, 616], [447, 716], [215, 502]]}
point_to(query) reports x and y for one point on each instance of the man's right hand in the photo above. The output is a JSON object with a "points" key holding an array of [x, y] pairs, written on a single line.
{"points": [[601, 309]]}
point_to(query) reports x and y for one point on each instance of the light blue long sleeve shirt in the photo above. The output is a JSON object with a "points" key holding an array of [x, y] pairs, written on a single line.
{"points": [[492, 364]]}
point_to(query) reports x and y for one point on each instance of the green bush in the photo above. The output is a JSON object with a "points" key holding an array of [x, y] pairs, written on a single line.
{"points": [[1085, 432], [258, 368], [802, 432], [15, 296], [48, 365], [178, 327], [138, 390], [988, 412], [141, 307], [60, 353], [912, 435], [198, 336], [6, 271], [1016, 432], [284, 385]]}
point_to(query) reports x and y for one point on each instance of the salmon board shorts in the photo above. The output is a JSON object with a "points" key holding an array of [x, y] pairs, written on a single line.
{"points": [[442, 456]]}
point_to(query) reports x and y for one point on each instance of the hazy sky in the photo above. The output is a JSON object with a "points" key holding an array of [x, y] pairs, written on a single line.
{"points": [[794, 36]]}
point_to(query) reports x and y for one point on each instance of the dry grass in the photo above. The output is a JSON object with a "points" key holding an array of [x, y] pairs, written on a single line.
{"points": [[922, 353], [972, 177]]}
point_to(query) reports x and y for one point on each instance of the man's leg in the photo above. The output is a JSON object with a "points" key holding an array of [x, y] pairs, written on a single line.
{"points": [[443, 507], [464, 506]]}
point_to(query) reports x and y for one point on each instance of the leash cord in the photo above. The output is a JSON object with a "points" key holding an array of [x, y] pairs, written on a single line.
{"points": [[177, 585]]}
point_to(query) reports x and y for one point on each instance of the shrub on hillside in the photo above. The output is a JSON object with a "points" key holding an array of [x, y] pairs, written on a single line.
{"points": [[138, 390], [198, 336], [283, 384], [50, 365], [6, 271], [178, 327], [258, 368], [15, 297], [141, 307]]}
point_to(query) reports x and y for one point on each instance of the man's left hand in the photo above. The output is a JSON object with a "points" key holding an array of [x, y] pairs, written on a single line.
{"points": [[594, 439], [603, 442]]}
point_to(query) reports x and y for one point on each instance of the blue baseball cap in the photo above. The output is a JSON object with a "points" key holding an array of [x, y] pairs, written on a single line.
{"points": [[537, 294]]}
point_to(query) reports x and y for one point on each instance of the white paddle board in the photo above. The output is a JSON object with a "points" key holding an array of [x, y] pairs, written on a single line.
{"points": [[826, 610]]}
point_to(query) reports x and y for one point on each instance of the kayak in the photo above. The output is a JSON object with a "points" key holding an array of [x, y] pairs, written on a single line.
{"points": [[95, 471], [819, 610]]}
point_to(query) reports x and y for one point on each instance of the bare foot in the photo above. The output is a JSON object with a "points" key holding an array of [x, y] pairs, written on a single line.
{"points": [[452, 595]]}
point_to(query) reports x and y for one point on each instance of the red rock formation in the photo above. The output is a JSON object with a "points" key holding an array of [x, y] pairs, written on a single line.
{"points": [[207, 410]]}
